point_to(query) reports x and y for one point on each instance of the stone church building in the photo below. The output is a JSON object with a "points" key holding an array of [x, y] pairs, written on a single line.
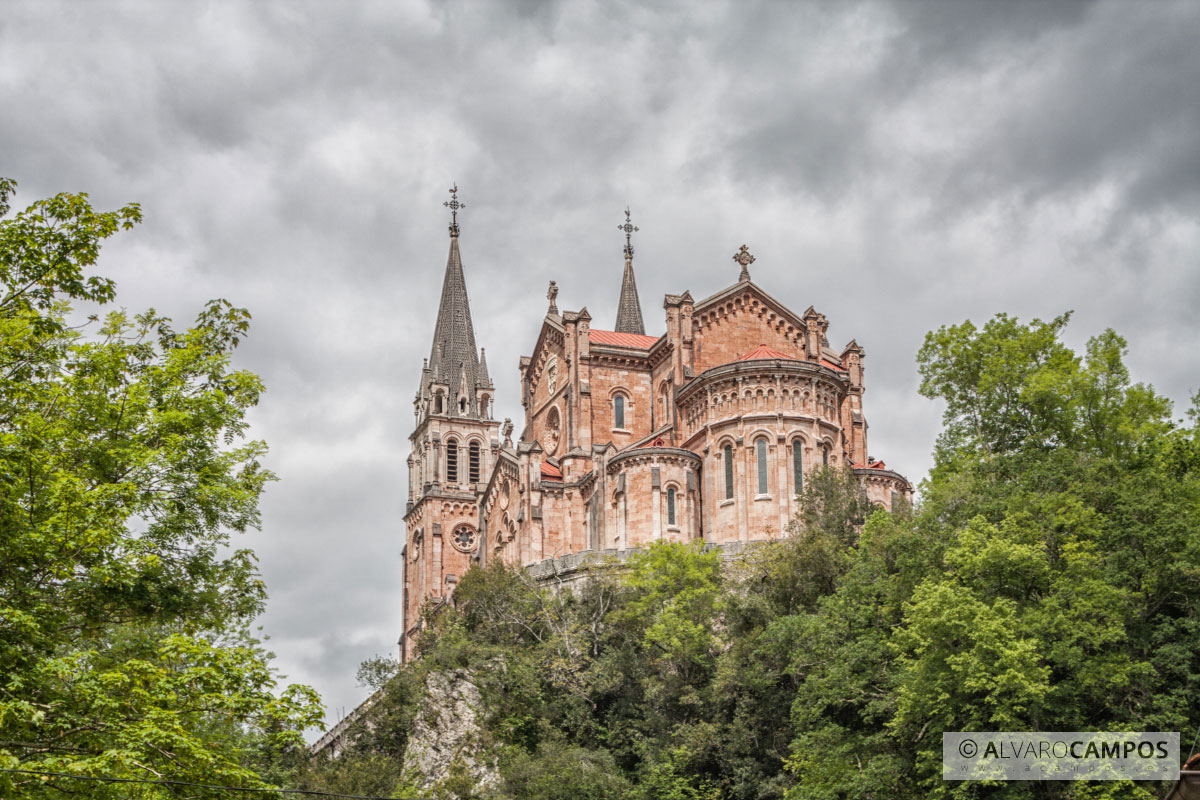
{"points": [[703, 431]]}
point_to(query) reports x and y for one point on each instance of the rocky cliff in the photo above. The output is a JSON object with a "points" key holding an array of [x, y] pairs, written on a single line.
{"points": [[447, 737]]}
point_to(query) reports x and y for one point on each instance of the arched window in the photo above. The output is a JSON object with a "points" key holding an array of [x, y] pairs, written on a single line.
{"points": [[484, 411], [760, 448], [825, 455], [473, 462], [438, 400], [728, 472], [798, 465], [451, 461], [670, 505], [619, 411]]}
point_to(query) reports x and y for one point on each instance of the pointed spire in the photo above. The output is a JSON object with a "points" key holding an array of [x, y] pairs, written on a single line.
{"points": [[454, 354], [629, 309], [483, 379]]}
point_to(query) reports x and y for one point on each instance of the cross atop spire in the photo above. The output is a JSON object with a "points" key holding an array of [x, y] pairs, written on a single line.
{"points": [[744, 258], [454, 206], [629, 228]]}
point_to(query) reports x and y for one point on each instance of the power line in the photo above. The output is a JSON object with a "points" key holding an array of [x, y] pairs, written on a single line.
{"points": [[310, 792]]}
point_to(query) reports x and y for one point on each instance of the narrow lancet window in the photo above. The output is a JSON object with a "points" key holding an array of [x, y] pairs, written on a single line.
{"points": [[761, 451], [671, 505], [451, 461], [728, 472], [619, 411], [798, 465], [473, 462]]}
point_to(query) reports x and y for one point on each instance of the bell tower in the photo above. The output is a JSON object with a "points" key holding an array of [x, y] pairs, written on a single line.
{"points": [[453, 446]]}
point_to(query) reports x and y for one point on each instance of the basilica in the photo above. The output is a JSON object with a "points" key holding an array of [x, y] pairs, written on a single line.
{"points": [[706, 430]]}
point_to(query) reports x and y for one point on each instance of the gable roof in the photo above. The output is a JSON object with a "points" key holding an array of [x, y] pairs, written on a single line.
{"points": [[752, 288]]}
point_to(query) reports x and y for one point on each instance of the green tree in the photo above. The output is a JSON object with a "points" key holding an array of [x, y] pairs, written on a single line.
{"points": [[557, 771], [676, 588], [1067, 595], [124, 613]]}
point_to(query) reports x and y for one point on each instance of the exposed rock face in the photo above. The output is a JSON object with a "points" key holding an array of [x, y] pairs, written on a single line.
{"points": [[447, 731]]}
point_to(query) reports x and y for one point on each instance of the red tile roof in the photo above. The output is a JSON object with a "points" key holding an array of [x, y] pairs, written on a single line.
{"points": [[551, 471], [872, 465], [762, 351], [622, 339]]}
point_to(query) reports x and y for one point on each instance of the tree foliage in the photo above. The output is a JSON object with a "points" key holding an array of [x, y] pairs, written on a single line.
{"points": [[124, 612]]}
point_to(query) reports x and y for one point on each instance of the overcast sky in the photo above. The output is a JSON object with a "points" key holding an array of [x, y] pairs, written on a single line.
{"points": [[899, 166]]}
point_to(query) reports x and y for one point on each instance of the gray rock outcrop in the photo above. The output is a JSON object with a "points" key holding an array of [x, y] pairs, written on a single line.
{"points": [[447, 731]]}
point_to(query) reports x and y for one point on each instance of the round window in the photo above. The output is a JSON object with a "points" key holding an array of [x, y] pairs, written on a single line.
{"points": [[464, 538]]}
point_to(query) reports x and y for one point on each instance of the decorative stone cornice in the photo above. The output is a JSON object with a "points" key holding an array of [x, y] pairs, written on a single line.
{"points": [[649, 455], [762, 368], [614, 355], [883, 476]]}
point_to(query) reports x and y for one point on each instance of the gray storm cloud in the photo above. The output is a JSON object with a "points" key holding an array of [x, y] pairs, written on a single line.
{"points": [[898, 165]]}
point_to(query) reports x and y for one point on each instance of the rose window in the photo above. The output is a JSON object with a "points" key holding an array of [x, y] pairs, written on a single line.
{"points": [[464, 538], [553, 431]]}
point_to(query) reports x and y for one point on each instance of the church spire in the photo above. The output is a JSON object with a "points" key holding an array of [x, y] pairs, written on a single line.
{"points": [[454, 355], [483, 379], [629, 310]]}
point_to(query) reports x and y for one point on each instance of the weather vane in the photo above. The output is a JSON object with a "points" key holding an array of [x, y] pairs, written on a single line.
{"points": [[629, 228], [454, 206], [744, 258]]}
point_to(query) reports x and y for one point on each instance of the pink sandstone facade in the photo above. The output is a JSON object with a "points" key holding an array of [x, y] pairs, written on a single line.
{"points": [[706, 431]]}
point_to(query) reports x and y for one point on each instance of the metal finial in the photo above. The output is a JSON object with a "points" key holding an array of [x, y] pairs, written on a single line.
{"points": [[629, 228], [552, 296], [454, 206], [744, 258]]}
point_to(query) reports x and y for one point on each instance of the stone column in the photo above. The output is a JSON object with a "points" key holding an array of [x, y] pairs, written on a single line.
{"points": [[437, 459]]}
